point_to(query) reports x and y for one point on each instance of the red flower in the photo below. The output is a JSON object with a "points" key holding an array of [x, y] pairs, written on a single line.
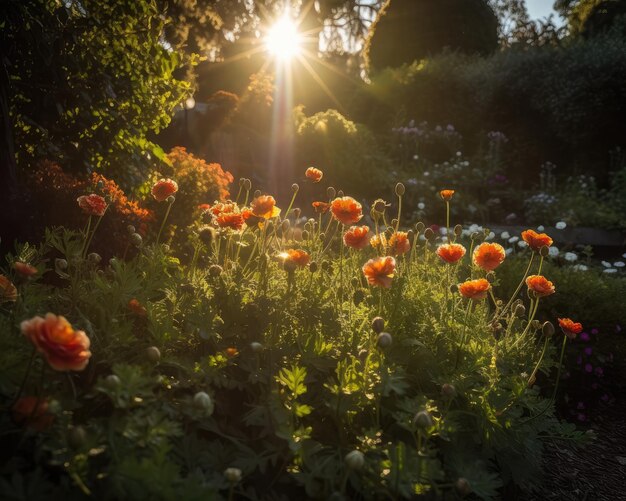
{"points": [[232, 220], [489, 256], [231, 352], [64, 348], [314, 174], [569, 327], [356, 237], [446, 195], [204, 207], [24, 269], [451, 253], [296, 257], [93, 204], [346, 210], [8, 292], [399, 243], [163, 189], [475, 289], [320, 207], [265, 207], [540, 285], [380, 271], [137, 308], [32, 412], [536, 240]]}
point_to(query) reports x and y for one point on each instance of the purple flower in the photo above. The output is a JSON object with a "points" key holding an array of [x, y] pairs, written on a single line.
{"points": [[584, 336], [588, 368], [588, 350], [599, 371], [594, 331]]}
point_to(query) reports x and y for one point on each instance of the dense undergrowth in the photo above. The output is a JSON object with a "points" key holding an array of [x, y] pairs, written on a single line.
{"points": [[284, 358]]}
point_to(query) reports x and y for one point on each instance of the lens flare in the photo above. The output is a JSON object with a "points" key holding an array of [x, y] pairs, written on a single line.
{"points": [[283, 40]]}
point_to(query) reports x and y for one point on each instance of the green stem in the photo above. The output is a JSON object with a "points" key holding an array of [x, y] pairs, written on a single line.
{"points": [[532, 256], [462, 340], [167, 213], [531, 379]]}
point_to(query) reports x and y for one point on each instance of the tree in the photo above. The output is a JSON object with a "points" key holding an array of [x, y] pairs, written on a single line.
{"points": [[409, 30]]}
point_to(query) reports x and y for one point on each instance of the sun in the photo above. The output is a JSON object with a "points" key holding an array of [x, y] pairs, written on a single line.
{"points": [[283, 40]]}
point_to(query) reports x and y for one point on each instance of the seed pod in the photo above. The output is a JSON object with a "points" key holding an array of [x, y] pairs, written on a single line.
{"points": [[203, 401], [340, 193], [257, 193], [491, 277], [305, 235], [474, 235], [284, 226], [256, 347], [423, 420], [233, 475], [153, 354], [290, 266], [355, 460], [384, 340], [544, 251], [326, 266], [358, 296], [411, 235], [206, 235], [215, 270], [313, 267], [130, 229], [241, 182], [547, 329], [429, 234], [536, 325], [363, 354], [458, 229], [60, 264], [400, 189], [379, 206], [171, 199], [355, 282], [462, 487], [136, 239], [520, 310], [295, 187], [94, 257], [448, 390], [296, 212], [454, 288], [76, 437], [330, 192], [247, 184], [378, 324], [419, 227], [112, 382], [322, 236], [394, 222]]}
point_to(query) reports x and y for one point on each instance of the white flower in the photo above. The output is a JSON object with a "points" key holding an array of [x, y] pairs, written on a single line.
{"points": [[509, 251], [606, 264], [426, 173], [553, 251], [505, 235], [512, 240], [444, 239], [471, 208], [624, 255], [540, 228], [421, 206], [415, 157], [560, 225], [570, 256], [580, 267], [491, 236], [619, 264], [422, 237], [610, 270], [522, 244], [458, 153], [443, 230]]}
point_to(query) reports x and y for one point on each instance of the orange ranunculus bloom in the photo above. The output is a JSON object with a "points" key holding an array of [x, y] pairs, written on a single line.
{"points": [[32, 412], [446, 195], [64, 348], [163, 188], [232, 220], [380, 271], [536, 240], [137, 308], [93, 204], [320, 207], [346, 210], [489, 256], [265, 207], [314, 174], [540, 285], [379, 242], [8, 292], [475, 289], [569, 327], [293, 258], [356, 237], [399, 243], [24, 269], [451, 253]]}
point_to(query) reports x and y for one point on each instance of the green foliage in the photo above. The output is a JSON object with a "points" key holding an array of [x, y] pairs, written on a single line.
{"points": [[427, 27], [236, 360]]}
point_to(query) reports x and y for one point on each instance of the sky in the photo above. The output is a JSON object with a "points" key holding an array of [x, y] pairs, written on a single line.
{"points": [[540, 8]]}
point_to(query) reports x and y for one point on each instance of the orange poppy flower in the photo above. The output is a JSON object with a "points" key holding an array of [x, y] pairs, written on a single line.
{"points": [[204, 207], [540, 285], [399, 243], [379, 242], [294, 258], [265, 207], [137, 308], [94, 205], [446, 195], [380, 271], [33, 412], [536, 240], [64, 348], [346, 210], [314, 174], [232, 220], [231, 352], [451, 253], [489, 256], [163, 188], [569, 327], [475, 289], [320, 207], [356, 237], [24, 269], [8, 292]]}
